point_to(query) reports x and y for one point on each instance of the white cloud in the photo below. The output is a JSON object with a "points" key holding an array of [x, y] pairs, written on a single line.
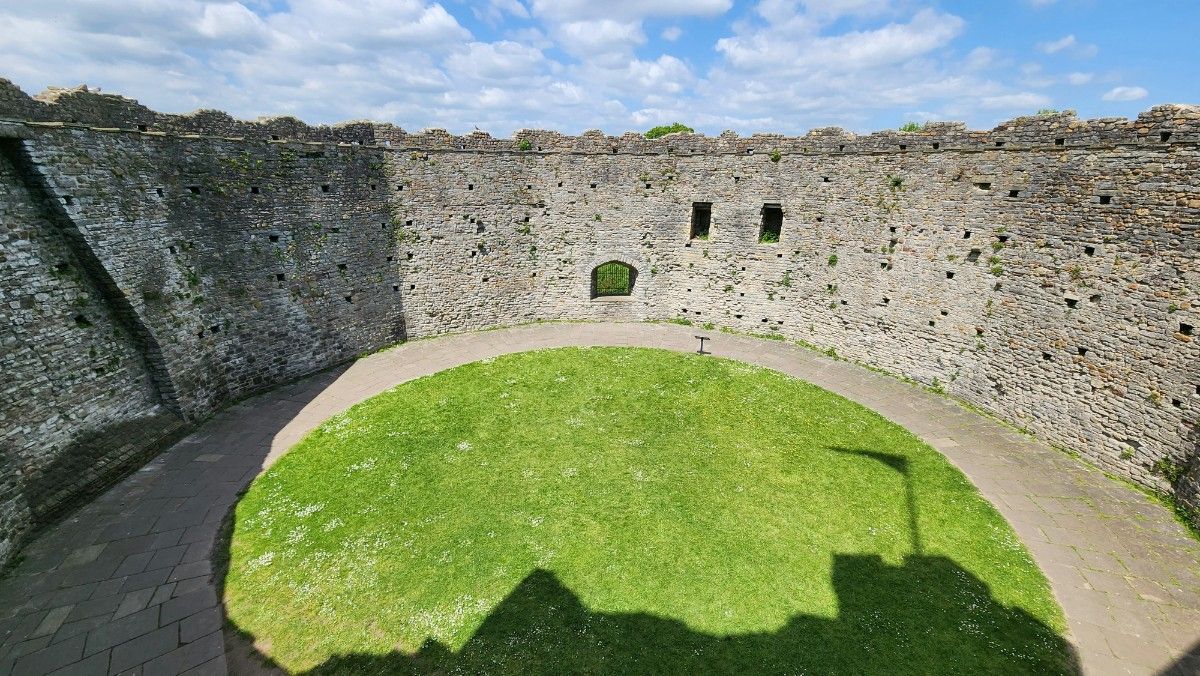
{"points": [[625, 10], [1070, 45], [785, 65], [494, 11], [1021, 101], [1057, 45], [1079, 78], [1125, 94]]}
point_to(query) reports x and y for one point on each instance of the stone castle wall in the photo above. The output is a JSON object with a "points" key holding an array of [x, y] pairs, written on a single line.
{"points": [[1046, 271]]}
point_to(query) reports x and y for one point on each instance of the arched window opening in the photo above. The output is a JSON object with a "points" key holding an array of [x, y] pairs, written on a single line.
{"points": [[613, 278]]}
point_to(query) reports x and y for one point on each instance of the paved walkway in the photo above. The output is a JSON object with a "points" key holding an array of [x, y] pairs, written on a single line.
{"points": [[126, 584]]}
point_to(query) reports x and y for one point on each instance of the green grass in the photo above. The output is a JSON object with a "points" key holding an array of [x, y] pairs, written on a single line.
{"points": [[617, 510]]}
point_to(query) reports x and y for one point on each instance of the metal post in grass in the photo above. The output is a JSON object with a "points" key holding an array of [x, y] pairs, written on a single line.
{"points": [[701, 350]]}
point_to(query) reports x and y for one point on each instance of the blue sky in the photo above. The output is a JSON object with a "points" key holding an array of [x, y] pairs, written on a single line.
{"points": [[500, 65]]}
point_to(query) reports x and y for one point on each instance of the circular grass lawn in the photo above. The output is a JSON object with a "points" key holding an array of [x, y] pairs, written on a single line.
{"points": [[618, 510]]}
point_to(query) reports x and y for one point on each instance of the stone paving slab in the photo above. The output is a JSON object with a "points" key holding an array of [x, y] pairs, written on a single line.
{"points": [[126, 583]]}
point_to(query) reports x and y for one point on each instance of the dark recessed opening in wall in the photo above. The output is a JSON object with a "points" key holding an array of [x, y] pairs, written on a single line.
{"points": [[1082, 351], [324, 187], [470, 186], [1164, 136], [409, 255], [194, 189], [647, 186], [1014, 193], [171, 249], [1186, 329], [903, 147], [1106, 199], [1072, 302], [396, 288], [973, 255], [82, 322], [613, 278], [1095, 298], [560, 184], [1176, 403], [1046, 356], [1000, 144], [391, 258], [142, 127], [949, 274], [614, 150], [983, 185], [936, 145], [932, 323], [1060, 141], [374, 187], [842, 148], [399, 188], [62, 267], [408, 222], [1003, 238], [274, 137], [825, 179], [966, 234], [253, 190], [772, 223], [335, 230], [886, 300], [349, 298], [341, 266], [701, 220], [979, 330], [280, 276], [1089, 250], [593, 185], [412, 287], [158, 191]]}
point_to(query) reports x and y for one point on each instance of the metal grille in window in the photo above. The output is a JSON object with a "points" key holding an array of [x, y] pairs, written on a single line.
{"points": [[613, 279]]}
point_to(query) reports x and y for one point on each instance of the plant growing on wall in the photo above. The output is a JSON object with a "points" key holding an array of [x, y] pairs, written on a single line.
{"points": [[673, 128]]}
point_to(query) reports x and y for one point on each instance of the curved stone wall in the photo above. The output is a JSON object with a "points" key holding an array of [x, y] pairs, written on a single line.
{"points": [[1045, 271]]}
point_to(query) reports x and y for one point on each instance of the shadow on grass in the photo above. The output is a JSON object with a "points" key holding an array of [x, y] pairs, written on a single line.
{"points": [[927, 616]]}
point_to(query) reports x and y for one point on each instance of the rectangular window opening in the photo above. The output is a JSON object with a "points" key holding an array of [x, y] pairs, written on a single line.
{"points": [[325, 187], [1106, 199], [1164, 136], [701, 220], [1186, 329], [1060, 141], [772, 223]]}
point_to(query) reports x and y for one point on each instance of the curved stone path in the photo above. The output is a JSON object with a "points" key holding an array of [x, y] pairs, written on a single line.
{"points": [[125, 585]]}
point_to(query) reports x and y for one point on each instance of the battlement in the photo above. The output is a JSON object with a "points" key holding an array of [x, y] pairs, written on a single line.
{"points": [[1160, 125]]}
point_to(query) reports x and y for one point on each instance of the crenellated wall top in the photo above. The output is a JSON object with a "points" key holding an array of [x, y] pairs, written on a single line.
{"points": [[81, 106]]}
